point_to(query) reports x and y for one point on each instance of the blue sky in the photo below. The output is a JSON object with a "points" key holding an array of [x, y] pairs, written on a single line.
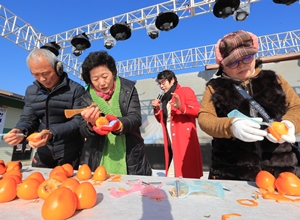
{"points": [[55, 16]]}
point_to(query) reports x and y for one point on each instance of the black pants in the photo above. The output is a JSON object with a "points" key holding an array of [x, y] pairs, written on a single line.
{"points": [[47, 161]]}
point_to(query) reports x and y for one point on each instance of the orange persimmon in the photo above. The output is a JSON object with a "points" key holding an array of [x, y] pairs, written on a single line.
{"points": [[265, 180], [288, 183], [33, 138], [101, 121], [86, 196], [37, 175], [69, 169], [59, 205], [15, 177], [13, 172], [84, 172], [28, 189], [277, 129], [2, 167], [8, 189], [13, 165], [70, 183], [100, 174], [47, 187]]}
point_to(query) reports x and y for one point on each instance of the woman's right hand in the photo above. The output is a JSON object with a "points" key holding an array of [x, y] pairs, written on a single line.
{"points": [[11, 138], [91, 114]]}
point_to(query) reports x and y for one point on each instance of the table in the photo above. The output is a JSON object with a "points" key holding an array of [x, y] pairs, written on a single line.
{"points": [[134, 206]]}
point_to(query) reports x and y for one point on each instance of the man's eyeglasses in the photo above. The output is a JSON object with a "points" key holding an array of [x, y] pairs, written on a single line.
{"points": [[245, 60], [162, 82]]}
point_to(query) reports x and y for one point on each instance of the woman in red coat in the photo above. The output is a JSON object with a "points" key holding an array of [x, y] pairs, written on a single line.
{"points": [[177, 116]]}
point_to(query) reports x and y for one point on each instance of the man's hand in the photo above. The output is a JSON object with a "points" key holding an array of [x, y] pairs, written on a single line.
{"points": [[176, 103], [44, 135], [11, 138]]}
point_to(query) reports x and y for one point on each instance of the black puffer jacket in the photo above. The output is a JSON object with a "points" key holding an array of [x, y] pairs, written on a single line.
{"points": [[136, 159], [44, 109]]}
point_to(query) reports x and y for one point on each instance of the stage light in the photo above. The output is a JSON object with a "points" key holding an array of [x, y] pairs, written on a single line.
{"points": [[225, 8], [286, 2], [152, 31], [242, 12], [52, 46], [120, 31], [166, 21], [109, 42], [80, 42]]}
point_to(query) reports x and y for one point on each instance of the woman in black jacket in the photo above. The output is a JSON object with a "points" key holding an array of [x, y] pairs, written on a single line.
{"points": [[118, 146]]}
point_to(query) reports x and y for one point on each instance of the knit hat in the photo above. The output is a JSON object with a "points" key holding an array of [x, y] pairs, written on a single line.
{"points": [[234, 46]]}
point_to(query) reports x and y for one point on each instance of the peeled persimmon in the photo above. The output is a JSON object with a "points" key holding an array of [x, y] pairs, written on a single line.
{"points": [[33, 138], [56, 169], [59, 205], [86, 196], [47, 187], [84, 172], [288, 183], [28, 189], [69, 169], [101, 121], [100, 174], [8, 189], [265, 180], [15, 177], [277, 129], [13, 172]]}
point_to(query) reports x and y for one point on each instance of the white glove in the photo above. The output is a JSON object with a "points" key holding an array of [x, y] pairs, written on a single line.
{"points": [[289, 137], [247, 130]]}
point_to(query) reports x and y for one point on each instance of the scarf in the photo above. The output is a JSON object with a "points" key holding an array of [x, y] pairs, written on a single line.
{"points": [[165, 99], [114, 151], [106, 96]]}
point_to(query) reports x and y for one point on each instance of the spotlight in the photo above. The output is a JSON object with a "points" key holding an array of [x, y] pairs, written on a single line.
{"points": [[80, 42], [286, 2], [109, 42], [242, 12], [52, 46], [166, 21], [152, 31], [224, 8], [120, 31]]}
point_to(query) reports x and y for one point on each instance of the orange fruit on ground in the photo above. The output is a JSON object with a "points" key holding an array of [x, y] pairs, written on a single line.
{"points": [[277, 129], [84, 172], [28, 189], [37, 175], [59, 205], [101, 121], [47, 187], [8, 190], [86, 196], [71, 183], [2, 167], [288, 183], [265, 180], [69, 169], [33, 138], [100, 174], [13, 165]]}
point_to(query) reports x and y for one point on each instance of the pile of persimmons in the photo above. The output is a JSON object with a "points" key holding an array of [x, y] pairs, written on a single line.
{"points": [[62, 191]]}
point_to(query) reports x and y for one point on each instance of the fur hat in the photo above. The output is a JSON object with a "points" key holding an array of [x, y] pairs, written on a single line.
{"points": [[234, 46]]}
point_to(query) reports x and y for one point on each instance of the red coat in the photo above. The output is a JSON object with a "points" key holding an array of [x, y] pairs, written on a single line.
{"points": [[186, 148]]}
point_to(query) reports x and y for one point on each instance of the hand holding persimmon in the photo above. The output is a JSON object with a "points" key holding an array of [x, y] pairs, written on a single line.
{"points": [[277, 129], [101, 121]]}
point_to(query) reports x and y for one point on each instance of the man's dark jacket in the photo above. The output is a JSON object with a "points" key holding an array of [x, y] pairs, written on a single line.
{"points": [[136, 159], [44, 109]]}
